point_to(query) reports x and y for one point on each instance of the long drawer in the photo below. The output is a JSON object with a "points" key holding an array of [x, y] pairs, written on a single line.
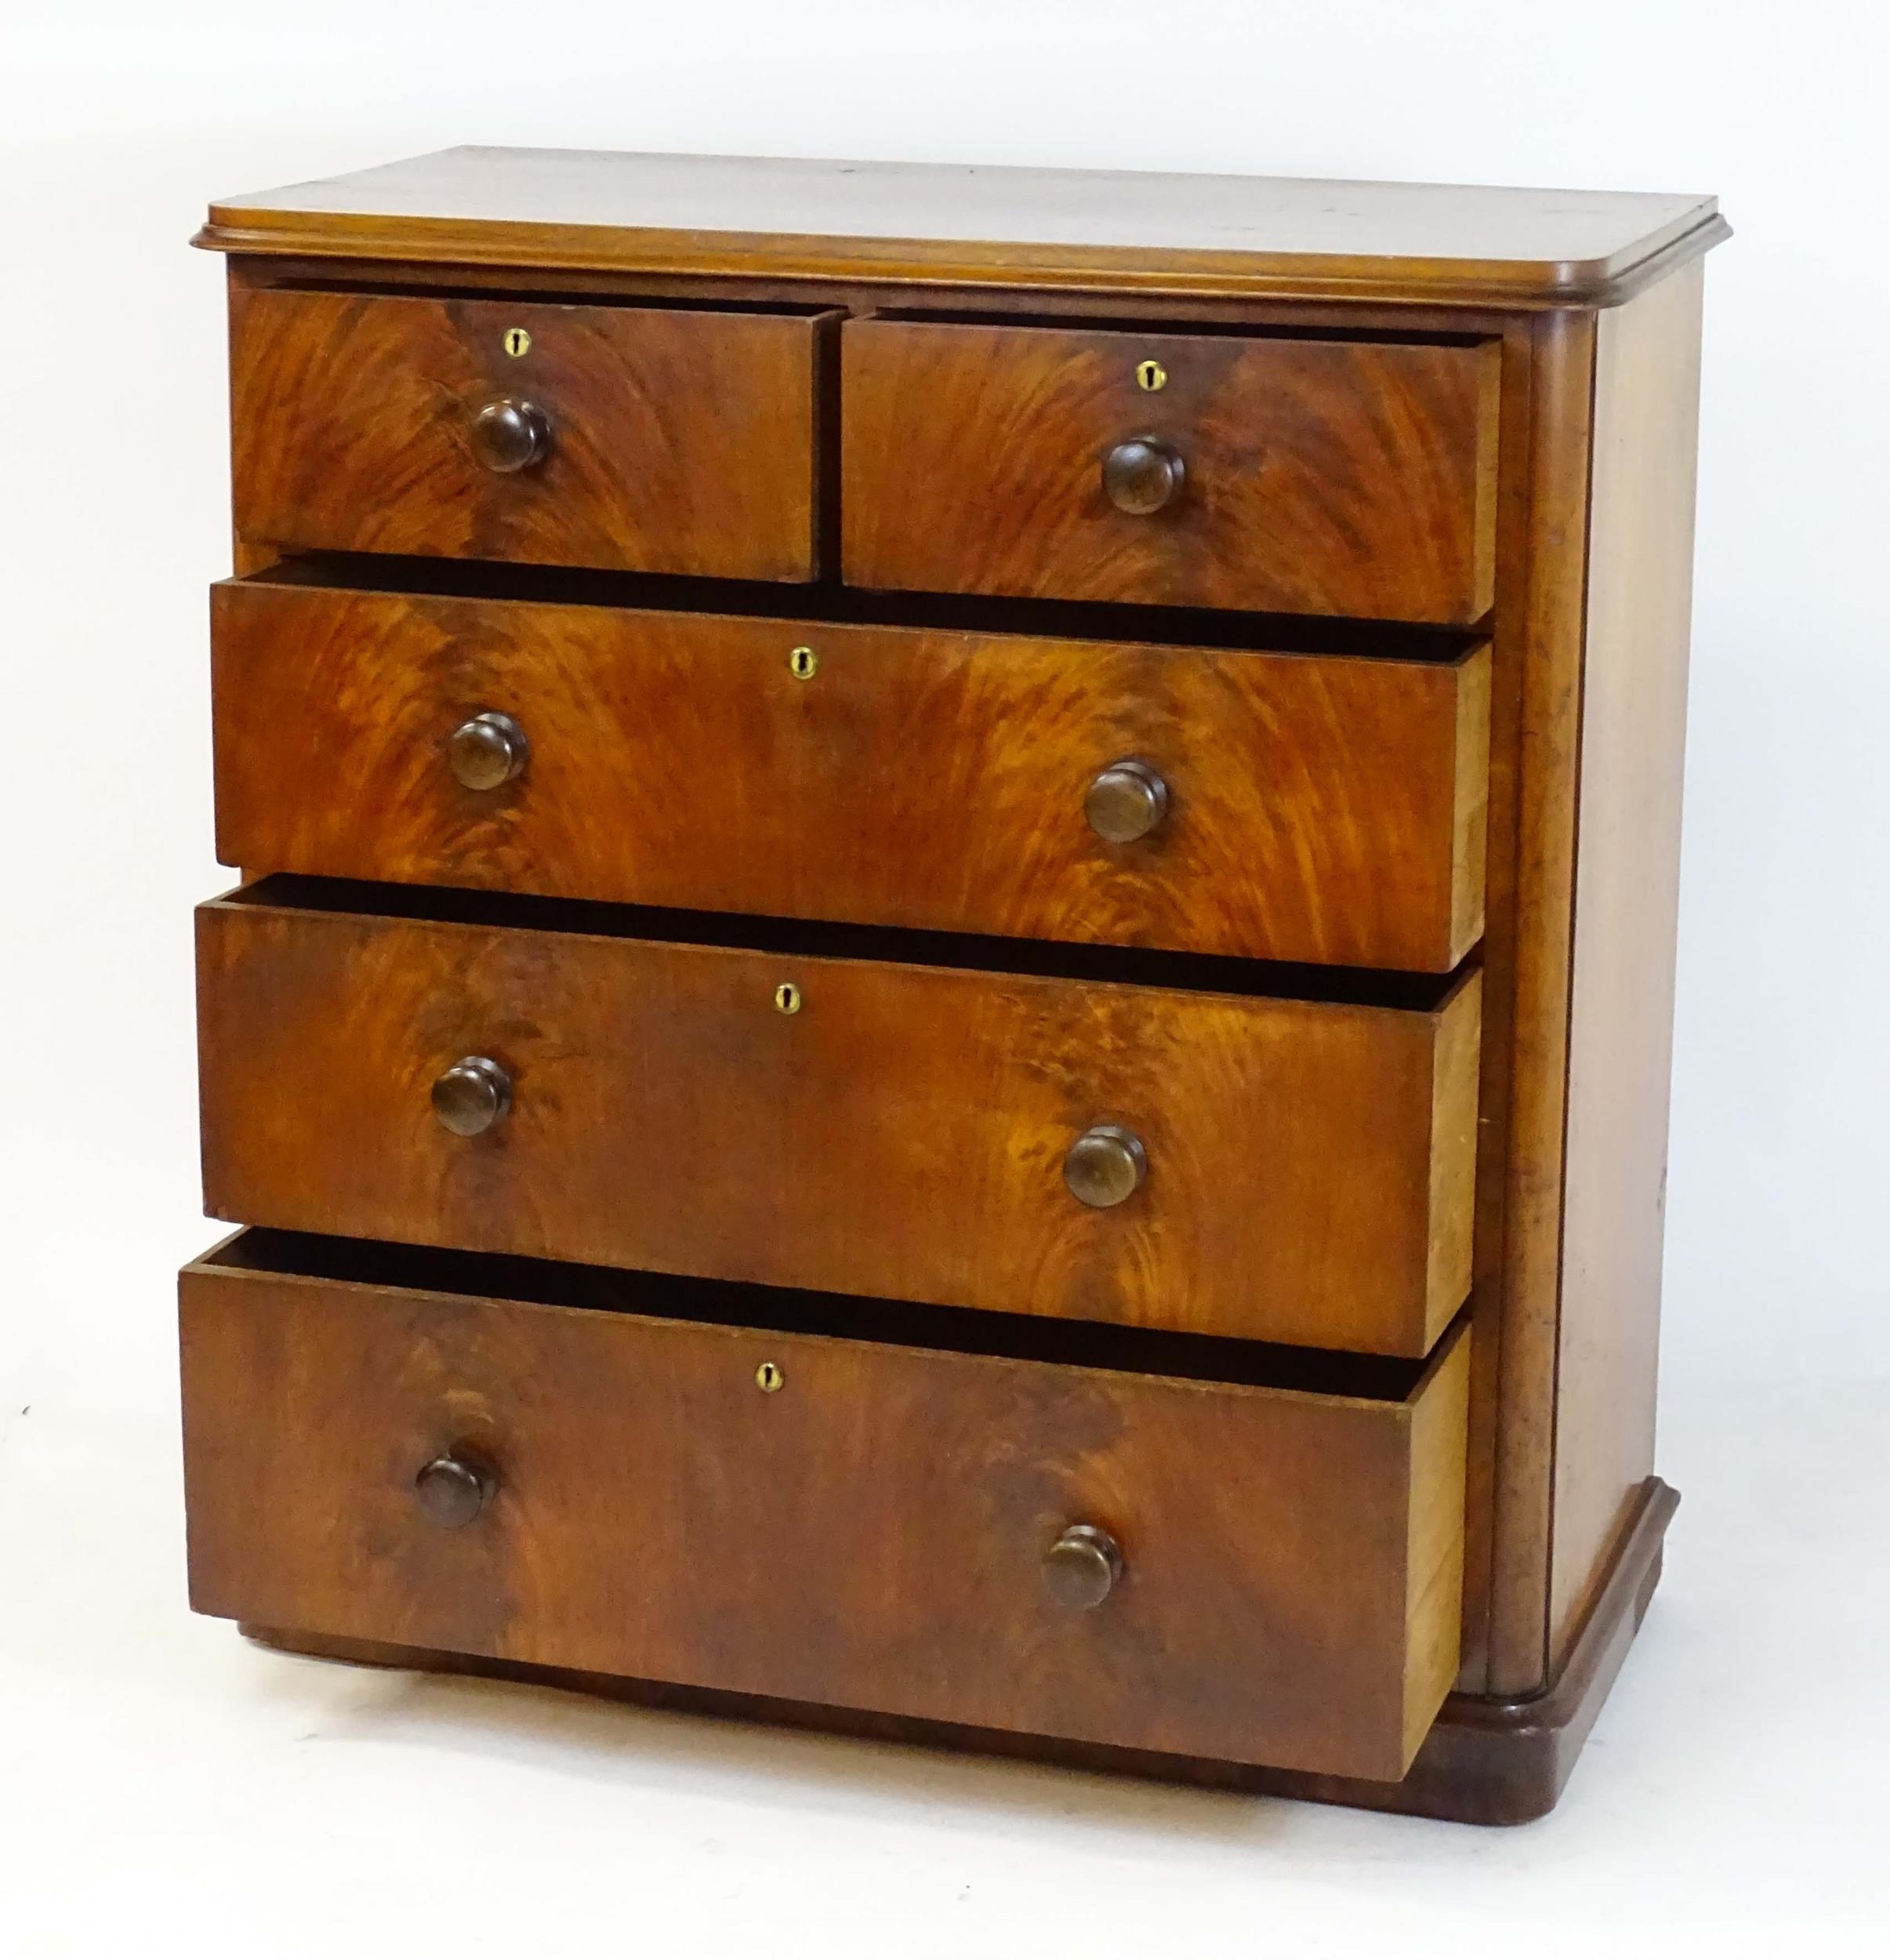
{"points": [[1269, 805], [575, 1082], [1181, 1563]]}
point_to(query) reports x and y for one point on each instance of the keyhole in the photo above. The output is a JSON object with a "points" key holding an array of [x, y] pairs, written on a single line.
{"points": [[787, 997], [802, 663], [767, 1377], [1150, 375], [518, 342]]}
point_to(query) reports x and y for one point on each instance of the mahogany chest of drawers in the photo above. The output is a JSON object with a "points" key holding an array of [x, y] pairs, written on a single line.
{"points": [[949, 1008]]}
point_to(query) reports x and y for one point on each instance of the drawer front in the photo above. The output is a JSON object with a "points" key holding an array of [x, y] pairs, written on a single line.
{"points": [[1343, 477], [619, 1495], [1310, 808], [903, 1131], [647, 439]]}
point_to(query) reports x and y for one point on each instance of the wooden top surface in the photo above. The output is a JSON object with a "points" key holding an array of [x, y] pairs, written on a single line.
{"points": [[927, 223]]}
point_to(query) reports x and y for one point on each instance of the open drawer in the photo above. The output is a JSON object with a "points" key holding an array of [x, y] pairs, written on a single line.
{"points": [[843, 1110], [1168, 1544], [1265, 805]]}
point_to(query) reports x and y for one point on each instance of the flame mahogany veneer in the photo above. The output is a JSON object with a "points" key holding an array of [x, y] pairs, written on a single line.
{"points": [[952, 1007]]}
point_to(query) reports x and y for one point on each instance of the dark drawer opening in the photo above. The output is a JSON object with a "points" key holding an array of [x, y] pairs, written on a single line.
{"points": [[546, 1282], [522, 293], [828, 600], [818, 939], [1170, 329]]}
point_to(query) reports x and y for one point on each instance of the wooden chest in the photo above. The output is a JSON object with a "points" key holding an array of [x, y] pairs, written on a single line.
{"points": [[950, 1009]]}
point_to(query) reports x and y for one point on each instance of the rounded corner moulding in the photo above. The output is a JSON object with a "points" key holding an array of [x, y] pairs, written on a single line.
{"points": [[1373, 274]]}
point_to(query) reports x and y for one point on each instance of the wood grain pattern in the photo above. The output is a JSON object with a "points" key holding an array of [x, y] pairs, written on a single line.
{"points": [[1627, 902], [1355, 478], [1433, 1548], [1520, 1232], [1518, 466], [1324, 809], [902, 1135], [1284, 1596], [1483, 1761], [682, 441], [1128, 232]]}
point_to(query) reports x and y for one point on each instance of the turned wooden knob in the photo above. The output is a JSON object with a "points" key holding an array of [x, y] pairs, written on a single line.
{"points": [[451, 1492], [509, 435], [1126, 801], [487, 751], [1142, 475], [472, 1095], [1081, 1568], [1105, 1165]]}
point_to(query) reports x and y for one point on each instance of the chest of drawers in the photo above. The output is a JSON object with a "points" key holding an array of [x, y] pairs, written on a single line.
{"points": [[950, 1009]]}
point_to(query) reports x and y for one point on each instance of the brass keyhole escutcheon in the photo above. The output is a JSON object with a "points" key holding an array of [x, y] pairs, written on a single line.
{"points": [[518, 342], [1150, 375], [803, 663], [787, 997], [768, 1378]]}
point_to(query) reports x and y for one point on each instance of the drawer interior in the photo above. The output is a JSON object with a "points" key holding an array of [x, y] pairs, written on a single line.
{"points": [[1074, 621], [818, 939], [1180, 329], [528, 294], [788, 1310]]}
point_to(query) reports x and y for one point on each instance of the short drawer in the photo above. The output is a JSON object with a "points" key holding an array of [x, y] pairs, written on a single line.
{"points": [[1299, 807], [557, 1080], [586, 1471], [1286, 474], [648, 439]]}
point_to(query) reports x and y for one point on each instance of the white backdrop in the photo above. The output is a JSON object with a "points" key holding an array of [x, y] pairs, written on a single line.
{"points": [[167, 1775]]}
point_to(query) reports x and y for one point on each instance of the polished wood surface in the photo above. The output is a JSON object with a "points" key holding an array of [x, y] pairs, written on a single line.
{"points": [[1575, 1231], [1181, 568], [1349, 477], [1483, 1760], [1319, 808], [1627, 902], [902, 1132], [1284, 1595], [1535, 748], [678, 442], [975, 226], [1517, 467]]}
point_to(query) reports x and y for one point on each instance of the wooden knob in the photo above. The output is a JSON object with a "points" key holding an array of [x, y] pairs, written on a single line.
{"points": [[487, 751], [509, 435], [1142, 475], [1105, 1165], [451, 1492], [1081, 1568], [1126, 802], [472, 1095]]}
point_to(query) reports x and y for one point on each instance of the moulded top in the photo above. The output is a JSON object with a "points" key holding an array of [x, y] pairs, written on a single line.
{"points": [[902, 224]]}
